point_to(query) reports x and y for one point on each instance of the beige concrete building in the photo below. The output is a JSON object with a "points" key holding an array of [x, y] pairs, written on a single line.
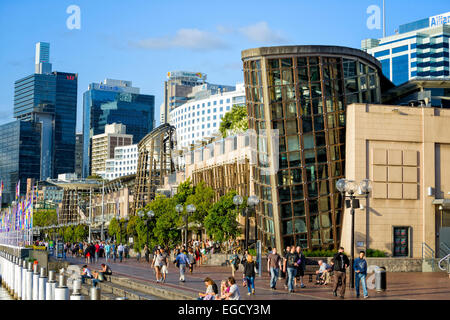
{"points": [[103, 146], [405, 152]]}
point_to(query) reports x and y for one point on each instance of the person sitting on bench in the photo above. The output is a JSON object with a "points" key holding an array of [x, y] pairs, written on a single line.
{"points": [[323, 274]]}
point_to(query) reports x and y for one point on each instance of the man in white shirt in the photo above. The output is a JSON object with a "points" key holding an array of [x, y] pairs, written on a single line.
{"points": [[85, 274], [323, 276]]}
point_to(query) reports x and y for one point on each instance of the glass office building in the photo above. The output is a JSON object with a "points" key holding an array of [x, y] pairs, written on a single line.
{"points": [[106, 104], [50, 99], [420, 49], [19, 156], [299, 94]]}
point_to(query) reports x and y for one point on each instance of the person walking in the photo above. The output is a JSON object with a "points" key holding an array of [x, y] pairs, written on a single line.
{"points": [[107, 251], [290, 266], [97, 251], [157, 264], [234, 262], [283, 271], [273, 267], [120, 251], [360, 267], [164, 264], [146, 254], [249, 273], [182, 261], [340, 262], [114, 251], [301, 267], [191, 260]]}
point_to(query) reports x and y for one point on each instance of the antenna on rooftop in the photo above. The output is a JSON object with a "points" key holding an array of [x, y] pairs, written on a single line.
{"points": [[384, 20]]}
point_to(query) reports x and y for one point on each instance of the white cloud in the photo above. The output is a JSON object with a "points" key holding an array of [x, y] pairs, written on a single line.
{"points": [[261, 32], [193, 39]]}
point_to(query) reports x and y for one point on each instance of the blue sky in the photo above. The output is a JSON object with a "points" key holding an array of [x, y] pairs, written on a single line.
{"points": [[142, 40]]}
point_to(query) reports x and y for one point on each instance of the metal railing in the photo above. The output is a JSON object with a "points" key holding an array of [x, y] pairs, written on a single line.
{"points": [[447, 257], [443, 249], [428, 254]]}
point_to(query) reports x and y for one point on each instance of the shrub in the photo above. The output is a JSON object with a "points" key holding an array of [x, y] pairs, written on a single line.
{"points": [[374, 253], [319, 253]]}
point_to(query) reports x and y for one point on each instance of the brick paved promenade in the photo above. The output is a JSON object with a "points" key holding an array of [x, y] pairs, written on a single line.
{"points": [[401, 285]]}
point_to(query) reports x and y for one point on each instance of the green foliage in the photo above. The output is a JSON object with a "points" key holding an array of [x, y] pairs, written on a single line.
{"points": [[68, 234], [95, 177], [221, 221], [185, 189], [234, 121], [43, 218], [80, 233], [117, 229], [167, 220], [373, 253], [202, 199], [252, 252]]}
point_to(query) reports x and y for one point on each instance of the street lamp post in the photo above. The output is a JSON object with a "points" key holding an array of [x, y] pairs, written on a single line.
{"points": [[252, 202], [179, 209], [190, 209], [351, 187], [238, 200], [150, 216]]}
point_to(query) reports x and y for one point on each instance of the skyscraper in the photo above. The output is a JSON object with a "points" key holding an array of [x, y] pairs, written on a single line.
{"points": [[50, 98], [115, 101], [420, 49]]}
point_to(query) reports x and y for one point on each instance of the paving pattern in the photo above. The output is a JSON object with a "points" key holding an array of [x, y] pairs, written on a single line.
{"points": [[400, 286]]}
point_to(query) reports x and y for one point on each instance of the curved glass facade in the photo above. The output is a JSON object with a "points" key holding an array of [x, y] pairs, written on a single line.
{"points": [[302, 99]]}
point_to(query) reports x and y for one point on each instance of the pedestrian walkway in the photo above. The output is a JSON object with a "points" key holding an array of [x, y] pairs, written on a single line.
{"points": [[401, 285]]}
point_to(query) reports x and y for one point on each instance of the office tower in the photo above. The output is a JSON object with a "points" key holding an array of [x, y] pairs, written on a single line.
{"points": [[19, 156], [103, 146], [201, 115], [115, 101], [296, 100], [178, 86], [50, 99], [420, 49], [78, 154], [42, 58]]}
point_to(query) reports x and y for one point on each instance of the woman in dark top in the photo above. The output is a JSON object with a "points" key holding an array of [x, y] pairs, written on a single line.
{"points": [[249, 273]]}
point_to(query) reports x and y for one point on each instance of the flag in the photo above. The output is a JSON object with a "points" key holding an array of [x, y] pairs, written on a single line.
{"points": [[1, 190], [17, 190]]}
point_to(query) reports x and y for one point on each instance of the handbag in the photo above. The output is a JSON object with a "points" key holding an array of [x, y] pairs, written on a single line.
{"points": [[244, 282]]}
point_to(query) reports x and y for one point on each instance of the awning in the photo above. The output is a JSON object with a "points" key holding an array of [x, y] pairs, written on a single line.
{"points": [[445, 203]]}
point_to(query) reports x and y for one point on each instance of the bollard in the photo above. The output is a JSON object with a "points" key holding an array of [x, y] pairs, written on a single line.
{"points": [[29, 283], [95, 293], [76, 294], [17, 275], [380, 279], [62, 291], [24, 276], [11, 274], [19, 279], [35, 282], [42, 284], [51, 286]]}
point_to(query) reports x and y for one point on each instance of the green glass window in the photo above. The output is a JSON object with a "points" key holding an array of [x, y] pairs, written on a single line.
{"points": [[287, 227], [284, 193], [291, 110], [294, 158], [308, 141], [320, 139], [297, 192], [277, 111], [314, 223], [300, 225], [293, 143], [296, 175], [302, 74], [291, 127], [286, 211], [299, 209]]}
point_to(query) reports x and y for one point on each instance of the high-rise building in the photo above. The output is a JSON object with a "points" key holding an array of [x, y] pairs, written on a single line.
{"points": [[103, 146], [420, 49], [178, 86], [124, 162], [296, 100], [115, 101], [50, 98], [78, 154], [201, 115], [42, 58], [20, 156]]}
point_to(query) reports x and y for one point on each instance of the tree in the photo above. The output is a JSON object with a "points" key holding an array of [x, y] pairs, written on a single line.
{"points": [[185, 189], [117, 229], [221, 222], [80, 233], [43, 218], [165, 231], [132, 231], [68, 234], [202, 199], [234, 121]]}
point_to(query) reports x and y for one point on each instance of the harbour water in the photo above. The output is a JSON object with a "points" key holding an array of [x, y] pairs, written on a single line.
{"points": [[4, 295]]}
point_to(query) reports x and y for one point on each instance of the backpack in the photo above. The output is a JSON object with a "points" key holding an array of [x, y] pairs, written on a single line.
{"points": [[237, 260], [291, 259]]}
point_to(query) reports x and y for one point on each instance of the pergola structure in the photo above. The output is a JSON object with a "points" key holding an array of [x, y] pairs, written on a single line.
{"points": [[156, 161], [75, 202]]}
